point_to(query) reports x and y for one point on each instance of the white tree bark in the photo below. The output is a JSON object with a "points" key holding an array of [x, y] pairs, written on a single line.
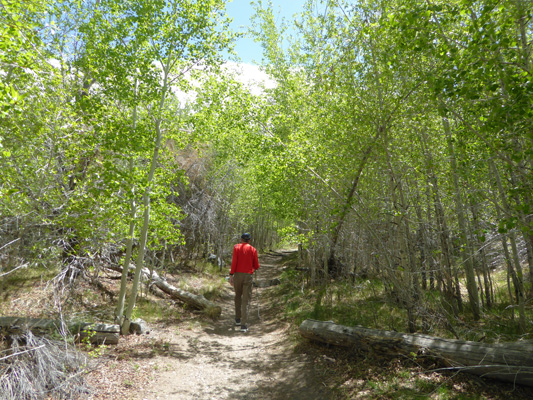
{"points": [[146, 198], [510, 362]]}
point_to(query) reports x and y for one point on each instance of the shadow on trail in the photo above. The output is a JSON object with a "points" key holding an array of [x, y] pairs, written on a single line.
{"points": [[263, 354], [216, 361]]}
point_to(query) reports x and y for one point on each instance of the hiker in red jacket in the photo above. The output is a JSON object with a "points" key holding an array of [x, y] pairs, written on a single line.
{"points": [[243, 266]]}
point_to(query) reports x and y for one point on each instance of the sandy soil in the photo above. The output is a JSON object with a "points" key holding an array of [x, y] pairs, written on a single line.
{"points": [[214, 360]]}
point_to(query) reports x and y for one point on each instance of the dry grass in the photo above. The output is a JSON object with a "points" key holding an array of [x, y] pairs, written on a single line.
{"points": [[35, 368], [113, 371]]}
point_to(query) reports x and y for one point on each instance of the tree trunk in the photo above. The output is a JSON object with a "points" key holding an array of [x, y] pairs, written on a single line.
{"points": [[471, 286], [523, 9], [119, 311], [487, 279], [451, 290], [517, 270], [337, 227], [511, 362], [523, 202], [146, 201], [405, 283]]}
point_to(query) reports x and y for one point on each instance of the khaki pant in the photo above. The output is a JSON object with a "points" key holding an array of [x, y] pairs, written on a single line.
{"points": [[242, 283]]}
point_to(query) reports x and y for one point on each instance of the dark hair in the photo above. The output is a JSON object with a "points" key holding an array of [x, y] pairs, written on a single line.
{"points": [[246, 236]]}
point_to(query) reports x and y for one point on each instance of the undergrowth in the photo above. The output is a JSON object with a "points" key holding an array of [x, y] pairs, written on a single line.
{"points": [[347, 372], [364, 302], [36, 368], [356, 374], [43, 368]]}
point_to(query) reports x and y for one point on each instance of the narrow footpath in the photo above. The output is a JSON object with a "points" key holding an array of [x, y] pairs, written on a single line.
{"points": [[215, 361]]}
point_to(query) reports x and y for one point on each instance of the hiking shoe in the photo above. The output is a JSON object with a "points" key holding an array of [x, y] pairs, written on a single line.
{"points": [[237, 321], [244, 328]]}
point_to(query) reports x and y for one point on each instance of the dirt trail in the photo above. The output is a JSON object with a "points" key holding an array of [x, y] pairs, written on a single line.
{"points": [[216, 361]]}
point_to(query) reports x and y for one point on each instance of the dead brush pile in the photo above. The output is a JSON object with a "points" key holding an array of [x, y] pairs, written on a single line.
{"points": [[36, 368]]}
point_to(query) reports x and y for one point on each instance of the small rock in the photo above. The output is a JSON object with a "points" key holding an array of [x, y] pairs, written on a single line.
{"points": [[328, 359], [139, 327]]}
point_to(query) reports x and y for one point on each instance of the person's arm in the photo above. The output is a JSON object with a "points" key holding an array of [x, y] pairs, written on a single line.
{"points": [[234, 261], [255, 263], [233, 265]]}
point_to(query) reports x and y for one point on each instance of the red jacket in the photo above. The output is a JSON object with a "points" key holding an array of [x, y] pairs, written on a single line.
{"points": [[244, 259]]}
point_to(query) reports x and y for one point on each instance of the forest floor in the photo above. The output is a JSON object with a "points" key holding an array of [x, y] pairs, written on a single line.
{"points": [[194, 357], [186, 355], [210, 360]]}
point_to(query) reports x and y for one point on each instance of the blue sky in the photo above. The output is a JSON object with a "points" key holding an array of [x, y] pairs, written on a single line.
{"points": [[241, 11]]}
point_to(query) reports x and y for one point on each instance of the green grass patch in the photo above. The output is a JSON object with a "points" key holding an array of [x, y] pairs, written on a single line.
{"points": [[366, 302], [345, 303], [25, 278], [152, 311]]}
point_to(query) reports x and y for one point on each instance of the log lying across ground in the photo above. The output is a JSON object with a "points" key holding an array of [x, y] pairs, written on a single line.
{"points": [[94, 333], [511, 362], [194, 300]]}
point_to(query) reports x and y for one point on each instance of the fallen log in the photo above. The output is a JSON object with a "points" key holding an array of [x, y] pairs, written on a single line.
{"points": [[94, 333], [194, 300], [511, 362]]}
